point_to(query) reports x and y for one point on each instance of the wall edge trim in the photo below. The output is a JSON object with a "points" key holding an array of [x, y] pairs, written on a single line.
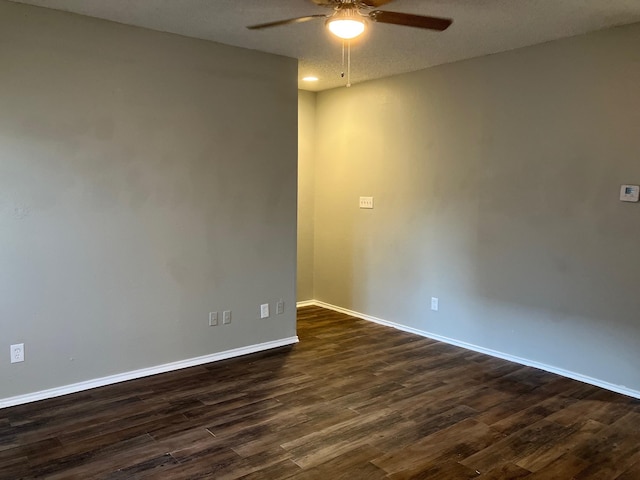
{"points": [[143, 372], [487, 351]]}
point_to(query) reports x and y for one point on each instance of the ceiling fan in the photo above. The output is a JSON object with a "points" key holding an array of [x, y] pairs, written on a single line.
{"points": [[347, 20]]}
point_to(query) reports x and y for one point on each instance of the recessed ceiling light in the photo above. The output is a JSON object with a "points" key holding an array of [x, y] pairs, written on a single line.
{"points": [[310, 79]]}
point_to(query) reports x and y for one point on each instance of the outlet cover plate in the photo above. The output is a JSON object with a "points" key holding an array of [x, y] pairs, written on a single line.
{"points": [[17, 353], [264, 310], [226, 317]]}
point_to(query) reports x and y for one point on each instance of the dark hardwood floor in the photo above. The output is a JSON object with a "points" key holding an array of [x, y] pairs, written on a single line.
{"points": [[353, 400]]}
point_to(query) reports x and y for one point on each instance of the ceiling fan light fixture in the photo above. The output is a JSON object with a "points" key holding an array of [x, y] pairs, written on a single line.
{"points": [[346, 24]]}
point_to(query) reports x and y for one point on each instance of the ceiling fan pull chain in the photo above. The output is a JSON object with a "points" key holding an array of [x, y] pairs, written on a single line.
{"points": [[342, 71], [349, 65]]}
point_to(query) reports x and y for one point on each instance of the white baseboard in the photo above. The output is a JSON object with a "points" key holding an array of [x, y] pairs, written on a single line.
{"points": [[306, 303], [487, 351], [144, 372]]}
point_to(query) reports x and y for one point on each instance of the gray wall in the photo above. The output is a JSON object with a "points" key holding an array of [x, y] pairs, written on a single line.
{"points": [[306, 192], [496, 185], [145, 180]]}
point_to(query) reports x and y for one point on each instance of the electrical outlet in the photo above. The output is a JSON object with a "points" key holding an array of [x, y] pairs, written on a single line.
{"points": [[17, 353], [280, 307], [226, 317], [213, 319], [264, 310], [434, 304], [366, 202]]}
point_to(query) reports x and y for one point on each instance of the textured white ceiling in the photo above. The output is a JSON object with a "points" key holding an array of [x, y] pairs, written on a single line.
{"points": [[480, 27]]}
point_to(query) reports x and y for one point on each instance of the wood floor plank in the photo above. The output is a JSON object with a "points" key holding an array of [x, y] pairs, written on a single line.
{"points": [[516, 446], [353, 400], [277, 471], [547, 453], [507, 471], [631, 473], [566, 466], [446, 470], [454, 443], [351, 465]]}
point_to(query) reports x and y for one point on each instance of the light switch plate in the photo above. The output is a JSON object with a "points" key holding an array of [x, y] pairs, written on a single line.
{"points": [[629, 193], [434, 304]]}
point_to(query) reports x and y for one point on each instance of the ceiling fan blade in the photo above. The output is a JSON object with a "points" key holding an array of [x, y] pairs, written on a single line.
{"points": [[368, 3], [376, 3], [286, 22], [409, 20]]}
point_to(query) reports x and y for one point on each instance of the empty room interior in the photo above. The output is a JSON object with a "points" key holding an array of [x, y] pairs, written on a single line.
{"points": [[269, 253]]}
